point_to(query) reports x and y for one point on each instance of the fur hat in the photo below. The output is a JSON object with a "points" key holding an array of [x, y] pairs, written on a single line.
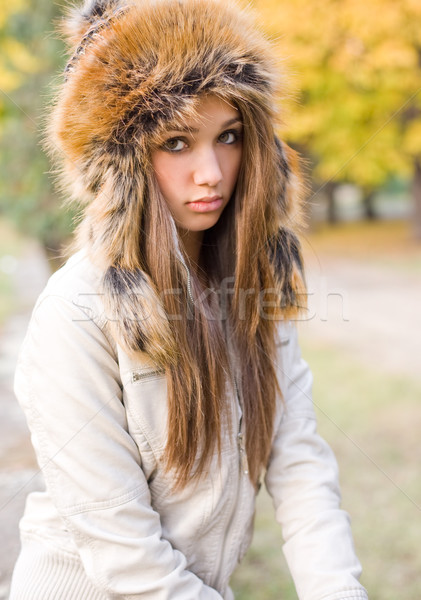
{"points": [[136, 65]]}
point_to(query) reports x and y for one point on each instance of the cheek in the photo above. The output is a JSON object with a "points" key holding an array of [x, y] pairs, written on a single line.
{"points": [[232, 167], [167, 173]]}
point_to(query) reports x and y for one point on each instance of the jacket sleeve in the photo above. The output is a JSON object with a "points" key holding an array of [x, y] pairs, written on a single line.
{"points": [[302, 479], [67, 382]]}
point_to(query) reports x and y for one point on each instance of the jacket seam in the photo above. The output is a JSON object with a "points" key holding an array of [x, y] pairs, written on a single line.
{"points": [[156, 449], [351, 593], [49, 464], [76, 509]]}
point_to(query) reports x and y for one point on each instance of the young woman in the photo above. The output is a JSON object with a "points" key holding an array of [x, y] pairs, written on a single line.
{"points": [[161, 375]]}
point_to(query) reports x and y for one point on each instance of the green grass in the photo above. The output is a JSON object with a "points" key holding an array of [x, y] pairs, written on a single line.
{"points": [[372, 421], [11, 247]]}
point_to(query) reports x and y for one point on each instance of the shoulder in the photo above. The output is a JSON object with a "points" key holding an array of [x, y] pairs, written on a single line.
{"points": [[294, 375], [69, 314], [287, 344], [67, 333], [77, 284]]}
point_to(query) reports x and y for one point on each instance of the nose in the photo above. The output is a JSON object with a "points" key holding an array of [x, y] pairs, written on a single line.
{"points": [[207, 168]]}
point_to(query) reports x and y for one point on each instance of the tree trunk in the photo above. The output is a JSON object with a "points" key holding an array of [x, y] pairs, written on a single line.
{"points": [[368, 203], [416, 195], [332, 215]]}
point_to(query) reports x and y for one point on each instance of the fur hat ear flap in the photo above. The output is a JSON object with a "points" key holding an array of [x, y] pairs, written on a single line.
{"points": [[135, 315], [113, 219], [80, 19], [285, 254], [112, 227], [292, 188], [284, 246]]}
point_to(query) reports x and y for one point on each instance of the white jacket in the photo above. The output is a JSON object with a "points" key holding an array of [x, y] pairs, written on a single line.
{"points": [[109, 525]]}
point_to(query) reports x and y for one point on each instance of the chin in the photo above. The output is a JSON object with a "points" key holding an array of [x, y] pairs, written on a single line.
{"points": [[201, 224], [210, 223]]}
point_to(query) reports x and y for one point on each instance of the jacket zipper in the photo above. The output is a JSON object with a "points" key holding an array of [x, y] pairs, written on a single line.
{"points": [[240, 436], [189, 290], [141, 375], [243, 453]]}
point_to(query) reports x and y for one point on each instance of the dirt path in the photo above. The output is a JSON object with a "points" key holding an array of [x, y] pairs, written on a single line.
{"points": [[369, 310]]}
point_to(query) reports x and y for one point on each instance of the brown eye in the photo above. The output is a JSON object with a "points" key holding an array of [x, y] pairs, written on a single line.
{"points": [[228, 137], [174, 145]]}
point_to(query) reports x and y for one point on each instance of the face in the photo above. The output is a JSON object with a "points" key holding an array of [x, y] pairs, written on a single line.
{"points": [[197, 166]]}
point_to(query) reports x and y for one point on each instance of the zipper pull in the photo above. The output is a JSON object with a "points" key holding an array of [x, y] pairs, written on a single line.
{"points": [[243, 453]]}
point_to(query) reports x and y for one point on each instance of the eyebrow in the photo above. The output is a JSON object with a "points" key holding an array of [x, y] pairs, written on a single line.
{"points": [[185, 129]]}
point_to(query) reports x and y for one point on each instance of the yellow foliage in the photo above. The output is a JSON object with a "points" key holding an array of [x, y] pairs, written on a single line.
{"points": [[9, 80], [10, 8], [411, 142], [394, 53], [356, 80], [20, 58], [15, 59]]}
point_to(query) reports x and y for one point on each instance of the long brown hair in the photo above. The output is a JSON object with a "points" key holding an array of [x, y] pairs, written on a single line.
{"points": [[236, 251]]}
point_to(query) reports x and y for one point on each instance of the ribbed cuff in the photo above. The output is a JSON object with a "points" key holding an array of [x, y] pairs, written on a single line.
{"points": [[44, 573]]}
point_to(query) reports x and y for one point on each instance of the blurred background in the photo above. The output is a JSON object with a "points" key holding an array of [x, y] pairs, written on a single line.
{"points": [[352, 108]]}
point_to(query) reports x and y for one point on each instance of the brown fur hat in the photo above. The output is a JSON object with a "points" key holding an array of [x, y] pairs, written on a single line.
{"points": [[134, 66]]}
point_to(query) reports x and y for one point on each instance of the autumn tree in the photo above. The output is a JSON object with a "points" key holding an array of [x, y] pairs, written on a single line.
{"points": [[355, 68], [29, 55], [16, 61]]}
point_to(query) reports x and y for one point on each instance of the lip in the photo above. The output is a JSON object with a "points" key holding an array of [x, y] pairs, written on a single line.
{"points": [[206, 204]]}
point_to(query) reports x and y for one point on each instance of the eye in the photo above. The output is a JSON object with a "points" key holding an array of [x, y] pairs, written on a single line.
{"points": [[174, 145], [229, 137]]}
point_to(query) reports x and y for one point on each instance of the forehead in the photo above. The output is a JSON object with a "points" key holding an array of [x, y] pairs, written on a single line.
{"points": [[209, 112]]}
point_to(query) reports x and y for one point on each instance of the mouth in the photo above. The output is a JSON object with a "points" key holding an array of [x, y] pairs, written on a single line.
{"points": [[206, 204]]}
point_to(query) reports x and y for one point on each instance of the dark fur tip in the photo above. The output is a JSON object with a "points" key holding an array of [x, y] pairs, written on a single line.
{"points": [[95, 9], [285, 251], [120, 288], [282, 161]]}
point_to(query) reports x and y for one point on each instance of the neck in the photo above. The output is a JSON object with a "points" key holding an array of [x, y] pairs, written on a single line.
{"points": [[192, 243]]}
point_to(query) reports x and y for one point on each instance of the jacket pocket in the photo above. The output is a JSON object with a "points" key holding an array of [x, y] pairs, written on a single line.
{"points": [[145, 398]]}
